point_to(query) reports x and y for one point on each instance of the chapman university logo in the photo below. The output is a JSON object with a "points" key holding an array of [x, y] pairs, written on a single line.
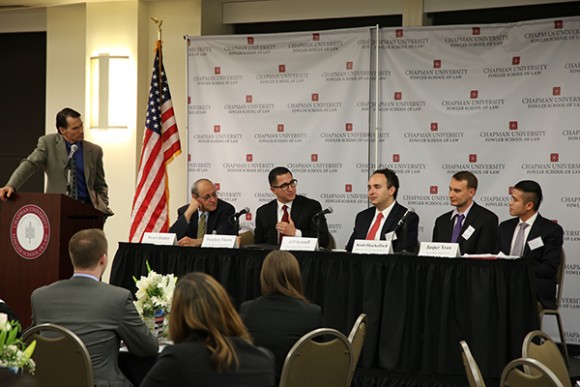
{"points": [[399, 104], [315, 106], [473, 103], [433, 198], [512, 133], [316, 44], [553, 167], [315, 166], [434, 135], [556, 100], [217, 137], [475, 166], [248, 167], [282, 76], [264, 197], [30, 231], [351, 136], [250, 48], [279, 136], [475, 39], [193, 167], [197, 51], [437, 72], [517, 69], [249, 107], [557, 33], [197, 109], [217, 78]]}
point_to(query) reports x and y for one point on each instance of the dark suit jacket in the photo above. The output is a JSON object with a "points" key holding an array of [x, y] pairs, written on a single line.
{"points": [[483, 238], [188, 364], [50, 155], [303, 209], [363, 220], [217, 221], [547, 257], [4, 308], [277, 321], [100, 315]]}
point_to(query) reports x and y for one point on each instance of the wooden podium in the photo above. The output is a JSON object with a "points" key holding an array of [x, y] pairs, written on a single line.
{"points": [[35, 230]]}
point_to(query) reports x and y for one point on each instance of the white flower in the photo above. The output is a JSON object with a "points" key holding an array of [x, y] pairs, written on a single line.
{"points": [[154, 292]]}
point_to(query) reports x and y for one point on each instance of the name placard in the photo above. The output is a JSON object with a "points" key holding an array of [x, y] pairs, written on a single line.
{"points": [[219, 241], [434, 249], [160, 238], [362, 246], [299, 244]]}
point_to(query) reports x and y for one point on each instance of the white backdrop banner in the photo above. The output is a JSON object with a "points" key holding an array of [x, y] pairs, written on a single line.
{"points": [[502, 101]]}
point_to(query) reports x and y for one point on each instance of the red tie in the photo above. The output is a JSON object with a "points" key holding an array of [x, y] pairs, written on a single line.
{"points": [[375, 227], [285, 218]]}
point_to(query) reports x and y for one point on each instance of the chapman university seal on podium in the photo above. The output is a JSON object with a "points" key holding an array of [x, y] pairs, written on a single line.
{"points": [[30, 231]]}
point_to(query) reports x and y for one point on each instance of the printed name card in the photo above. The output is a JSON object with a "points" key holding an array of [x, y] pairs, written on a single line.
{"points": [[433, 249], [362, 246], [160, 238], [219, 241], [299, 244]]}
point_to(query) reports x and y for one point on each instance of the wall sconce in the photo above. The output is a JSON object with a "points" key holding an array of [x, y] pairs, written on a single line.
{"points": [[109, 91]]}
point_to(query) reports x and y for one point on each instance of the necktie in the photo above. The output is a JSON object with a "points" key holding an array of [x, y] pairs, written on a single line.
{"points": [[285, 218], [201, 226], [373, 231], [73, 179], [457, 228], [518, 248]]}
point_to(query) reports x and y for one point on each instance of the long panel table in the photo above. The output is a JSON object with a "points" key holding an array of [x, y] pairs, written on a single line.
{"points": [[418, 308]]}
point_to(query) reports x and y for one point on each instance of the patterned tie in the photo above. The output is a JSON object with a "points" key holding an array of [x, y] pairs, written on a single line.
{"points": [[285, 218], [518, 248], [373, 231], [457, 228], [201, 226], [74, 193]]}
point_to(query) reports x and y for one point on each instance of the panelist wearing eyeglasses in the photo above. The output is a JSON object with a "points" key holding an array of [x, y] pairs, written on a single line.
{"points": [[205, 214], [289, 214]]}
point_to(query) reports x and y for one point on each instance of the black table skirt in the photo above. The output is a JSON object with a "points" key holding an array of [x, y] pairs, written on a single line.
{"points": [[418, 308]]}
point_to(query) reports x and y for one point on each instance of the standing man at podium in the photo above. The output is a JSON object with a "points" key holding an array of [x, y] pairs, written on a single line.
{"points": [[72, 165]]}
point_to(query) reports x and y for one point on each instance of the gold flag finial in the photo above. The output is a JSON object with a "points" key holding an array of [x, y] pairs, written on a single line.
{"points": [[159, 22]]}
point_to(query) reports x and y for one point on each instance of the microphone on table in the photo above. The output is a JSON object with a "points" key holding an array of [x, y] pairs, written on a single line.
{"points": [[403, 220], [329, 210]]}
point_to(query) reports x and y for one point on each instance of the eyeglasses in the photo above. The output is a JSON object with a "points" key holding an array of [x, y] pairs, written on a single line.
{"points": [[208, 196], [285, 186]]}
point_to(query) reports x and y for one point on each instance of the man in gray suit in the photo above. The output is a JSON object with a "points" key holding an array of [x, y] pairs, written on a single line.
{"points": [[100, 314], [53, 155]]}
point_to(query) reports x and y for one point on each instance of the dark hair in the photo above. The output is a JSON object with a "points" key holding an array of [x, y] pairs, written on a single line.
{"points": [[392, 179], [86, 247], [281, 274], [532, 192], [274, 173], [62, 115], [468, 177]]}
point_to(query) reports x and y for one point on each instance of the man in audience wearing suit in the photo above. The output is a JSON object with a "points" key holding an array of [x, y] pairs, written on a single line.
{"points": [[380, 221], [532, 236], [205, 214], [4, 308], [469, 224], [98, 313], [289, 214], [52, 155]]}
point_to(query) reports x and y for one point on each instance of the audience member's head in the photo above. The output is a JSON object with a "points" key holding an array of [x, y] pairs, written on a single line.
{"points": [[201, 310], [281, 274], [87, 247]]}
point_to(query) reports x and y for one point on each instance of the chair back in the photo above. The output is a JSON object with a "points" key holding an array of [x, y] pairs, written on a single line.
{"points": [[471, 368], [61, 357], [246, 238], [538, 345], [560, 279], [312, 363], [356, 339], [513, 376]]}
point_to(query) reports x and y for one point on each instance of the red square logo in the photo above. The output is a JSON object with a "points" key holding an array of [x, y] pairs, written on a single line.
{"points": [[349, 65], [217, 186], [554, 157], [217, 128], [314, 97], [188, 100], [249, 99], [516, 60], [280, 128], [189, 157], [399, 33], [217, 70], [396, 158], [348, 126], [314, 157], [433, 190], [473, 158], [510, 189], [475, 30], [249, 157], [558, 24], [398, 95], [473, 94], [513, 125], [437, 64], [556, 90], [348, 188], [248, 216], [316, 36], [250, 40], [281, 68], [434, 126]]}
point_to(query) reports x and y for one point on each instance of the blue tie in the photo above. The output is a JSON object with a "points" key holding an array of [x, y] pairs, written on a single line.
{"points": [[457, 228]]}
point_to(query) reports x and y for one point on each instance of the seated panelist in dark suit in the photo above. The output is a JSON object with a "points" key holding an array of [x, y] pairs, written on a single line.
{"points": [[289, 214], [205, 214], [282, 315], [380, 221], [532, 236], [212, 347], [470, 225]]}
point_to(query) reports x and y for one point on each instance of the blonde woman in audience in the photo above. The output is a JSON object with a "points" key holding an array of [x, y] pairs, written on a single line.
{"points": [[211, 345]]}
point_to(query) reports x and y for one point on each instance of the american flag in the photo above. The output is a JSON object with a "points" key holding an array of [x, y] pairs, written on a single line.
{"points": [[160, 146]]}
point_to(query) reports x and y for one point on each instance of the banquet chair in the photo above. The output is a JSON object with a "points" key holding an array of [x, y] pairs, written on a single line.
{"points": [[538, 345], [312, 363], [556, 312], [61, 357], [471, 368], [513, 376], [356, 339], [246, 238]]}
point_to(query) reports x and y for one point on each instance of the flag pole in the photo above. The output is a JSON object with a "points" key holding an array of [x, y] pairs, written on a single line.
{"points": [[159, 22]]}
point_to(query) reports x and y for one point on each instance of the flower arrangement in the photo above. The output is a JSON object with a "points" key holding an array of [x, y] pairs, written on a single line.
{"points": [[13, 352], [154, 293]]}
